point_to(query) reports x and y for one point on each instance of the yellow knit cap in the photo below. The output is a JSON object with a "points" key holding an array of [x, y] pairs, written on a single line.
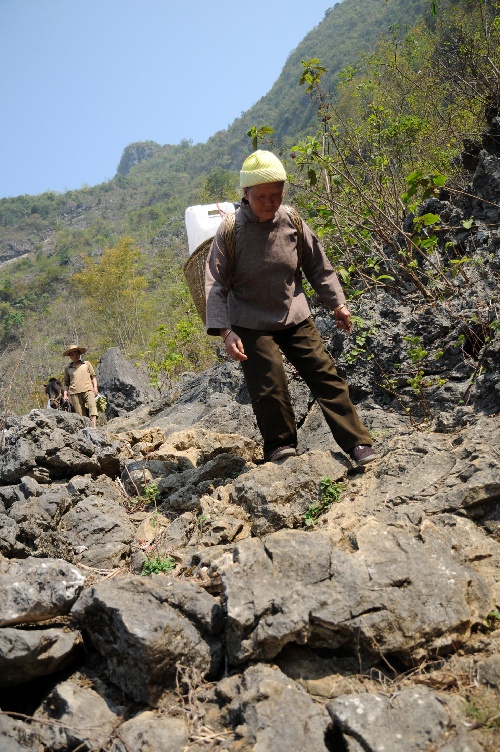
{"points": [[261, 167]]}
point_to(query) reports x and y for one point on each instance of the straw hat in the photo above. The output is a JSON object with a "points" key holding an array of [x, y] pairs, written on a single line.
{"points": [[261, 167], [75, 348]]}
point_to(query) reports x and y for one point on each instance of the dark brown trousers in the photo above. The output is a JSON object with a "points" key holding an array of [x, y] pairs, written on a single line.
{"points": [[268, 388]]}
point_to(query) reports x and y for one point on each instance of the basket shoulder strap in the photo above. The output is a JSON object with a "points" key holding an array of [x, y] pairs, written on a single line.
{"points": [[229, 234], [297, 223]]}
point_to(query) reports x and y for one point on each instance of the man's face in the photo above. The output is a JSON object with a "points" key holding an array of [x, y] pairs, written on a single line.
{"points": [[265, 199]]}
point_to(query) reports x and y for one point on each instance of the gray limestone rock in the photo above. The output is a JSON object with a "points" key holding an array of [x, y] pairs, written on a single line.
{"points": [[33, 589], [212, 399], [26, 654], [148, 732], [9, 495], [137, 474], [488, 671], [83, 718], [19, 736], [134, 154], [177, 534], [277, 495], [270, 712], [413, 720], [433, 473], [37, 533], [144, 628], [396, 593], [9, 532], [182, 477], [82, 486], [100, 531]]}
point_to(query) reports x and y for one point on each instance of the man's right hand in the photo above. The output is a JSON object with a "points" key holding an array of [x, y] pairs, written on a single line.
{"points": [[234, 345]]}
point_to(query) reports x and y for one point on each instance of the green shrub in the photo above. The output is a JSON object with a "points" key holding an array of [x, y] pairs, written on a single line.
{"points": [[158, 564], [329, 493]]}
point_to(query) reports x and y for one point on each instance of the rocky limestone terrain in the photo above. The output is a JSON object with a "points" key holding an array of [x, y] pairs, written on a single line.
{"points": [[162, 588]]}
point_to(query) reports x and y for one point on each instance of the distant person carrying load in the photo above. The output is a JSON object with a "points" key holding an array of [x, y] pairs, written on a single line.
{"points": [[255, 301], [81, 383]]}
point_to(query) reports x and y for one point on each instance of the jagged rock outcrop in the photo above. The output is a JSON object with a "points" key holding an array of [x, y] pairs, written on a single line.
{"points": [[48, 445], [124, 385], [136, 153]]}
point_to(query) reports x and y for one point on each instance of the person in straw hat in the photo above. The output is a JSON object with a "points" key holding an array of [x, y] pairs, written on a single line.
{"points": [[263, 312], [81, 383]]}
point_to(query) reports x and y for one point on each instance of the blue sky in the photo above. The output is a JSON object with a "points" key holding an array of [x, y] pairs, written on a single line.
{"points": [[82, 79]]}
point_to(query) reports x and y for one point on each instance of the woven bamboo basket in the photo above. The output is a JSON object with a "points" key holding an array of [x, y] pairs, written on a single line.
{"points": [[194, 271]]}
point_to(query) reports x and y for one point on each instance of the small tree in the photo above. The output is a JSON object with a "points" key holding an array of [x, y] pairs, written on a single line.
{"points": [[180, 344], [220, 185], [115, 291]]}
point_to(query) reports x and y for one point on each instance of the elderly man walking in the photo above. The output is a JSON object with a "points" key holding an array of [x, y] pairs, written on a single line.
{"points": [[256, 303]]}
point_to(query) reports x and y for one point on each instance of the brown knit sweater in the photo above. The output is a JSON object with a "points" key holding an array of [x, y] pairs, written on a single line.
{"points": [[265, 292]]}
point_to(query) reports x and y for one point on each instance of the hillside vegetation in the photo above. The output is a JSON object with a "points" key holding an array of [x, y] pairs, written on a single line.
{"points": [[370, 115]]}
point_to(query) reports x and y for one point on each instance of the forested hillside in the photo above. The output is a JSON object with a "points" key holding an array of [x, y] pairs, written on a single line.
{"points": [[395, 91]]}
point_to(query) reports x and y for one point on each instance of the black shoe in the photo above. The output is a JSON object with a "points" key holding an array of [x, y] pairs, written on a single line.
{"points": [[363, 454], [280, 453]]}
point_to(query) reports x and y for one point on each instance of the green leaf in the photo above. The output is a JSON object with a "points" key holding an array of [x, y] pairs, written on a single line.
{"points": [[439, 180], [430, 219]]}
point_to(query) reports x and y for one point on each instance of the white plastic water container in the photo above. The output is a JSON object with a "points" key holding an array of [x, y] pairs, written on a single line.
{"points": [[202, 222]]}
